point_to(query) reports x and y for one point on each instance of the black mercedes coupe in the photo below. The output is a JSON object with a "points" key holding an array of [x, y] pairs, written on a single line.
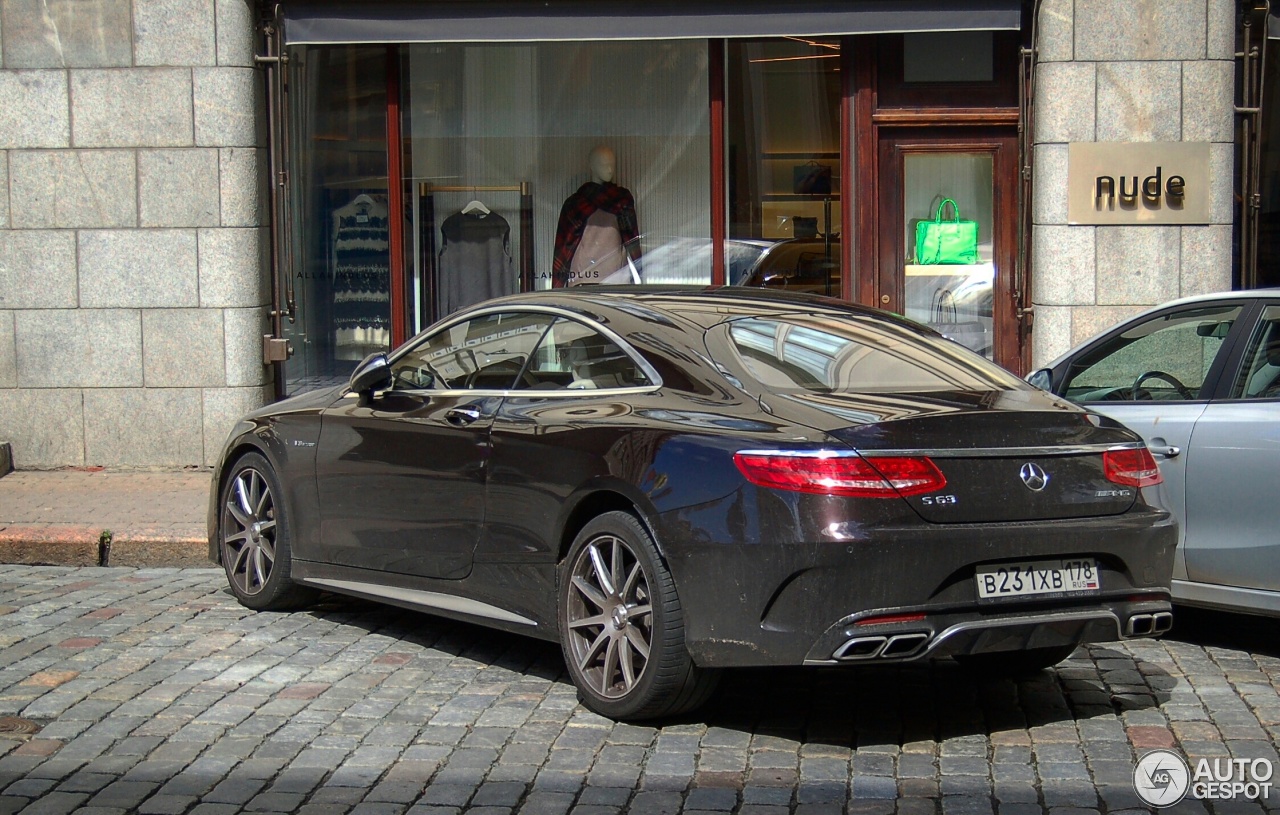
{"points": [[671, 482]]}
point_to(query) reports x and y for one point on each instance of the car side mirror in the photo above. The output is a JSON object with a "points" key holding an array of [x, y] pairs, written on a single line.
{"points": [[1042, 379], [373, 373]]}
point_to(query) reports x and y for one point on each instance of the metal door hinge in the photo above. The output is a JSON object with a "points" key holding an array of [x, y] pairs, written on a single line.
{"points": [[275, 349]]}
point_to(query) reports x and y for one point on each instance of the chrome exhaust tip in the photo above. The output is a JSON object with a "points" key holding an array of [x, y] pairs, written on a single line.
{"points": [[1142, 625], [898, 646], [904, 645], [1149, 625], [860, 648]]}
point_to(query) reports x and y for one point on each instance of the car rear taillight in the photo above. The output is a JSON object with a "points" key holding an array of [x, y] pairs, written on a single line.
{"points": [[838, 474], [1132, 468]]}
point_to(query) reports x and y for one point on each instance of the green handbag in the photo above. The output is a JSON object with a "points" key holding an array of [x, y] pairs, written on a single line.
{"points": [[940, 241]]}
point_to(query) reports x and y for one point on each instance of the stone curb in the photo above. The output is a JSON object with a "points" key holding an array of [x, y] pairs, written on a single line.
{"points": [[82, 545]]}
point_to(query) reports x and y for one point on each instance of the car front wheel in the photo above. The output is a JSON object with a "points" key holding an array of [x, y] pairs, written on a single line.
{"points": [[622, 627], [253, 538]]}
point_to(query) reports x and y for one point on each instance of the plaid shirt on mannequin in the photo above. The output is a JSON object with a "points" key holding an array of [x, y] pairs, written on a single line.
{"points": [[580, 206]]}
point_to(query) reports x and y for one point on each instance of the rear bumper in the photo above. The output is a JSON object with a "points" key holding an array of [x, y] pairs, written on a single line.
{"points": [[790, 604], [972, 633]]}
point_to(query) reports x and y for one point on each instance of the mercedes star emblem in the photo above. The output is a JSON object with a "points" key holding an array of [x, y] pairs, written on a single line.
{"points": [[1034, 476]]}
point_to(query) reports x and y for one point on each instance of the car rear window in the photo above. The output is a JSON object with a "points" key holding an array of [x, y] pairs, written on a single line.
{"points": [[827, 354]]}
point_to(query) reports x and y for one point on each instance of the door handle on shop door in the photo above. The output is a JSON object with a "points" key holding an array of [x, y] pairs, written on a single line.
{"points": [[462, 415]]}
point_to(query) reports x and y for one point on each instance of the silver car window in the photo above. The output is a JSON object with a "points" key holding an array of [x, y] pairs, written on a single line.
{"points": [[1166, 357], [1260, 373]]}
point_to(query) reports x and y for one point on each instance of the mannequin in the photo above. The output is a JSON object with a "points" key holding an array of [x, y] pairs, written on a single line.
{"points": [[595, 223]]}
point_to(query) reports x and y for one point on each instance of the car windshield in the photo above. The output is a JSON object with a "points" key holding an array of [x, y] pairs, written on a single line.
{"points": [[829, 354]]}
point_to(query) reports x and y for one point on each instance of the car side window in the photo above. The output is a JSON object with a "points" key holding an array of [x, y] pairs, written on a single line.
{"points": [[573, 356], [483, 353], [1260, 372], [1164, 358]]}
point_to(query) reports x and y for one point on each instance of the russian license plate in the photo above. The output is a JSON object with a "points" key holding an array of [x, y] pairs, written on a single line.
{"points": [[1061, 577]]}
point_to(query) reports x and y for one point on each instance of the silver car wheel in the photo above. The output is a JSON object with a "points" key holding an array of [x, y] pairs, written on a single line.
{"points": [[249, 532], [610, 616]]}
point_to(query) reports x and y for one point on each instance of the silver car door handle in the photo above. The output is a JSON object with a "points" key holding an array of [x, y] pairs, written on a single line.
{"points": [[1166, 452], [462, 415]]}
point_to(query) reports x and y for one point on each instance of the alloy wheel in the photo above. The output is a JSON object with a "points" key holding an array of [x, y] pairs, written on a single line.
{"points": [[610, 616], [249, 532]]}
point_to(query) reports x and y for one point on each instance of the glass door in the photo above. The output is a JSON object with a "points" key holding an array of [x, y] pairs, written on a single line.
{"points": [[947, 235]]}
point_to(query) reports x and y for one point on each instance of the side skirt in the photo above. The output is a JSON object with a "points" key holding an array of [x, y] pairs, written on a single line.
{"points": [[388, 588], [1227, 598]]}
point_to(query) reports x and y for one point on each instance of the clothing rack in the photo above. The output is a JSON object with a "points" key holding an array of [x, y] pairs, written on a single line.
{"points": [[427, 232]]}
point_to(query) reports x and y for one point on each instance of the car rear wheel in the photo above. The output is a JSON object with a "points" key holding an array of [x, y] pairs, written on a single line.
{"points": [[621, 625], [253, 538], [1016, 663]]}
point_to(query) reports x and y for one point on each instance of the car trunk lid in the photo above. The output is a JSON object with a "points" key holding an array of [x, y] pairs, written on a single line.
{"points": [[1004, 466]]}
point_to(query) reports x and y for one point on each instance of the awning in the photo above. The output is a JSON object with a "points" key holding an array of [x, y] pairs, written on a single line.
{"points": [[354, 22]]}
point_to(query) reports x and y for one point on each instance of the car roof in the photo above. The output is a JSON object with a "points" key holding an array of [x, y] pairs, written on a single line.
{"points": [[1212, 297], [700, 304]]}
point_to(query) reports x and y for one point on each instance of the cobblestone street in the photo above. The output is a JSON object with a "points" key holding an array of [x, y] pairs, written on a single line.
{"points": [[158, 693]]}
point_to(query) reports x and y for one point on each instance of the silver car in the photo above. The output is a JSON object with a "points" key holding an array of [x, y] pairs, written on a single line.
{"points": [[1199, 379]]}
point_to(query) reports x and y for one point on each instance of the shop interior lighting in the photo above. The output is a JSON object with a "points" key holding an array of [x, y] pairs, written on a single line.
{"points": [[812, 43]]}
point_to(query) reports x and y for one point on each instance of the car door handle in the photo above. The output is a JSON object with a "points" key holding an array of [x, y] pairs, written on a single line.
{"points": [[1166, 452], [462, 415]]}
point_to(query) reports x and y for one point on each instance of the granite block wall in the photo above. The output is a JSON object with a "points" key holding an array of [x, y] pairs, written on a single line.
{"points": [[1128, 71], [132, 278]]}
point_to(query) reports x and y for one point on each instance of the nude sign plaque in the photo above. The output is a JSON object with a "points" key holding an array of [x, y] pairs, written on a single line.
{"points": [[1140, 183]]}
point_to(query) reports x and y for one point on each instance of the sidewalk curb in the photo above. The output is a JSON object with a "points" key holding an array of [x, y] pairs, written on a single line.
{"points": [[79, 545]]}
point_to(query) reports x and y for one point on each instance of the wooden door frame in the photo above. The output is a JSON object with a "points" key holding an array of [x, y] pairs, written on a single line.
{"points": [[953, 128]]}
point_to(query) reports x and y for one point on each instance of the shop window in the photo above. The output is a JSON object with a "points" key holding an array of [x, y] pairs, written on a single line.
{"points": [[340, 276], [784, 161], [544, 164]]}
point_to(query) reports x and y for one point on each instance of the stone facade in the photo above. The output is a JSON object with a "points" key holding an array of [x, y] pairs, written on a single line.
{"points": [[1127, 71], [133, 294]]}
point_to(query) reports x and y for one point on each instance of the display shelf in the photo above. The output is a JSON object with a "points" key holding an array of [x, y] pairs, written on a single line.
{"points": [[949, 270]]}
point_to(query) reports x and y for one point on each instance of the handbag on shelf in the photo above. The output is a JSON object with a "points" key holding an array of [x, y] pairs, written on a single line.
{"points": [[803, 227], [946, 242], [811, 179]]}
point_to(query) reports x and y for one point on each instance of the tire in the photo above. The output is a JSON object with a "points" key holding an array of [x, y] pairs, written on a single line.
{"points": [[253, 538], [1016, 663], [605, 629]]}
